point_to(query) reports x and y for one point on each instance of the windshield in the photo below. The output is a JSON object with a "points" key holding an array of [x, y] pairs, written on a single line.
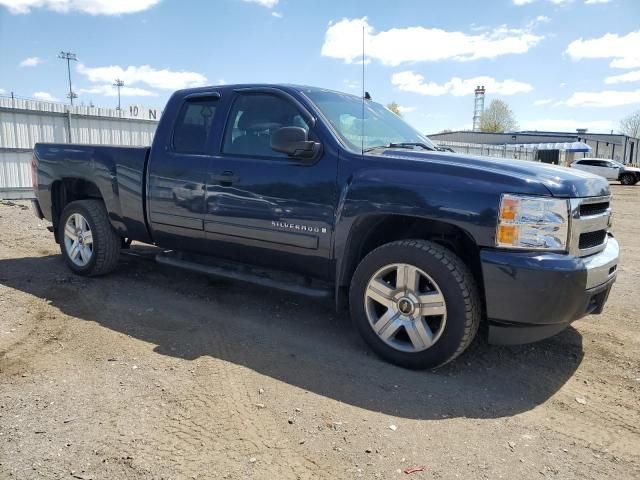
{"points": [[381, 127]]}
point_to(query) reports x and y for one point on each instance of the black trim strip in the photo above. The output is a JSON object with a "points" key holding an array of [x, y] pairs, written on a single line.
{"points": [[295, 239]]}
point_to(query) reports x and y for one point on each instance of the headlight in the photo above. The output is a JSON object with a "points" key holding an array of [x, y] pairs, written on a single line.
{"points": [[533, 223]]}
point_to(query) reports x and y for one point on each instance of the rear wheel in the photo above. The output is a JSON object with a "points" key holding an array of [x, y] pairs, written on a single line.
{"points": [[627, 179], [415, 303], [89, 244]]}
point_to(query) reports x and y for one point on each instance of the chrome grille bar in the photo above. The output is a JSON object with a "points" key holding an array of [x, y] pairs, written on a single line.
{"points": [[587, 224]]}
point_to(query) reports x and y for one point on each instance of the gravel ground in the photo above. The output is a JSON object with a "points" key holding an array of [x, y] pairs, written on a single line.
{"points": [[155, 373]]}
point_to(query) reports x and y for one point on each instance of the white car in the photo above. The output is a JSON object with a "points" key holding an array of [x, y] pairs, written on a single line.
{"points": [[609, 169]]}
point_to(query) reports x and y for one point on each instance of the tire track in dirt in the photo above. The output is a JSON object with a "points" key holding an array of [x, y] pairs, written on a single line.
{"points": [[212, 425]]}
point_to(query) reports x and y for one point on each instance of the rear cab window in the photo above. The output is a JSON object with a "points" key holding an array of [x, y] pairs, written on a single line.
{"points": [[193, 125]]}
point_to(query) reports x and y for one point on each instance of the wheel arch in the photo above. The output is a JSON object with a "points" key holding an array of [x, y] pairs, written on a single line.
{"points": [[67, 190], [373, 231]]}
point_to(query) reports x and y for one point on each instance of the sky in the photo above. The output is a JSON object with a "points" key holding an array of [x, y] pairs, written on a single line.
{"points": [[559, 64]]}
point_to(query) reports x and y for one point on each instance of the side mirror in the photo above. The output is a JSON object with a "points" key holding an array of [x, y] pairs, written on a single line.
{"points": [[294, 141]]}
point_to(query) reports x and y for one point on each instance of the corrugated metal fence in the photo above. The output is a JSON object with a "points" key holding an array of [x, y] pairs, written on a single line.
{"points": [[501, 151], [23, 122]]}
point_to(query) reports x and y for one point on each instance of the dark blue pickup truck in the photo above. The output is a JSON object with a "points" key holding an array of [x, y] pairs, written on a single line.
{"points": [[325, 193]]}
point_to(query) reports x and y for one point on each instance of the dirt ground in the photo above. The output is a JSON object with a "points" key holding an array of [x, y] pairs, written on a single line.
{"points": [[154, 373]]}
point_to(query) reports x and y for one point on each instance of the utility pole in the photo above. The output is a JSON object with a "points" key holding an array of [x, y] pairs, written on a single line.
{"points": [[68, 56], [119, 84]]}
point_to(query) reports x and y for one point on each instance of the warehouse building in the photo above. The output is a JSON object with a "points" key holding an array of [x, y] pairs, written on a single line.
{"points": [[559, 148]]}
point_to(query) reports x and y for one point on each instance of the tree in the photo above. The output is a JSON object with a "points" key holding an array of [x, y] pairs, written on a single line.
{"points": [[497, 118], [395, 108], [631, 125]]}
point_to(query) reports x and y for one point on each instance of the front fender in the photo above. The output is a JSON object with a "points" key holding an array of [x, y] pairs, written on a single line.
{"points": [[469, 205]]}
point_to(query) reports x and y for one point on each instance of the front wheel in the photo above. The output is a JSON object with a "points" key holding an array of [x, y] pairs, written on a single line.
{"points": [[89, 244], [415, 303]]}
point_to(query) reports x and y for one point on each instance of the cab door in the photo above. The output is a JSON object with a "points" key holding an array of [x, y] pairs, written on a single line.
{"points": [[263, 207], [178, 176]]}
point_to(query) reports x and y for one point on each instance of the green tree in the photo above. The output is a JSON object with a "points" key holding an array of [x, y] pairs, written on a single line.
{"points": [[395, 108], [631, 125], [498, 118]]}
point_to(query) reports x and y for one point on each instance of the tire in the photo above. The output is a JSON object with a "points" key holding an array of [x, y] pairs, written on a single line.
{"points": [[441, 275], [101, 255], [627, 179]]}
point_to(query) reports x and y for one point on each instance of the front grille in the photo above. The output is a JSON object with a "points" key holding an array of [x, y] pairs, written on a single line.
{"points": [[592, 239], [590, 221], [588, 209]]}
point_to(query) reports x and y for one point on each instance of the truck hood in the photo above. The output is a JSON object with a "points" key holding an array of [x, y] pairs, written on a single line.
{"points": [[559, 181]]}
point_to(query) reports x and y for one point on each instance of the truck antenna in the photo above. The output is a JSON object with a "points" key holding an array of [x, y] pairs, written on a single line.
{"points": [[363, 95]]}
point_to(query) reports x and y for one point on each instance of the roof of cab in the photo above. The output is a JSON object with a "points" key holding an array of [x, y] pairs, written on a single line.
{"points": [[237, 86]]}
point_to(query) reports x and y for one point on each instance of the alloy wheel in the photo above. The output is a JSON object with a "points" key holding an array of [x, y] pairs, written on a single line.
{"points": [[405, 307], [78, 240]]}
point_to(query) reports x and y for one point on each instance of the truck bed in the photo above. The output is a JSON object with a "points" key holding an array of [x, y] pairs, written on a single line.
{"points": [[118, 173]]}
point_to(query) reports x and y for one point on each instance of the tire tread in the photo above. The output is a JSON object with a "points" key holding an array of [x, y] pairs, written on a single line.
{"points": [[107, 248]]}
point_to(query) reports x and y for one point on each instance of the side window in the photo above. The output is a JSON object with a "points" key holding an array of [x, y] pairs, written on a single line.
{"points": [[193, 125], [603, 163], [589, 163], [253, 119]]}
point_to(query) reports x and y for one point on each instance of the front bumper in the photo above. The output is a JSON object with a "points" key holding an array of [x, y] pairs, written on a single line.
{"points": [[531, 296]]}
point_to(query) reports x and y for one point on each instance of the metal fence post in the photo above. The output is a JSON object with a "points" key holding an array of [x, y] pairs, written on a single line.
{"points": [[70, 140]]}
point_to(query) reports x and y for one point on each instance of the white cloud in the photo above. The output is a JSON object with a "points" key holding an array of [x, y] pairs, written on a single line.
{"points": [[593, 2], [31, 61], [276, 14], [623, 50], [343, 40], [409, 81], [144, 74], [45, 96], [404, 110], [111, 91], [542, 101], [542, 19], [2, 91], [264, 3], [567, 125], [606, 98], [624, 78], [92, 7], [351, 84]]}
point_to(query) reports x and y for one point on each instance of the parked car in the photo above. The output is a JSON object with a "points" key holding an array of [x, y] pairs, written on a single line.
{"points": [[328, 194], [609, 169]]}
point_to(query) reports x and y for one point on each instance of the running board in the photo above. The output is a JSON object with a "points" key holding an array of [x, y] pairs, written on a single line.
{"points": [[236, 271]]}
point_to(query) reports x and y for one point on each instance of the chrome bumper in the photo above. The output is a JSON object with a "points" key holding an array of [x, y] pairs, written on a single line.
{"points": [[602, 266]]}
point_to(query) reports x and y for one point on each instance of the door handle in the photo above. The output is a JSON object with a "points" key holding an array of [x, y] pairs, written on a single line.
{"points": [[225, 179]]}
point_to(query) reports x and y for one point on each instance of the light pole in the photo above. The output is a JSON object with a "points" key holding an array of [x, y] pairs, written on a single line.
{"points": [[68, 56], [119, 84]]}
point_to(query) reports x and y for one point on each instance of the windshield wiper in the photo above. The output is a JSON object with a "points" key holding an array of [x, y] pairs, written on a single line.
{"points": [[407, 145], [410, 144]]}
